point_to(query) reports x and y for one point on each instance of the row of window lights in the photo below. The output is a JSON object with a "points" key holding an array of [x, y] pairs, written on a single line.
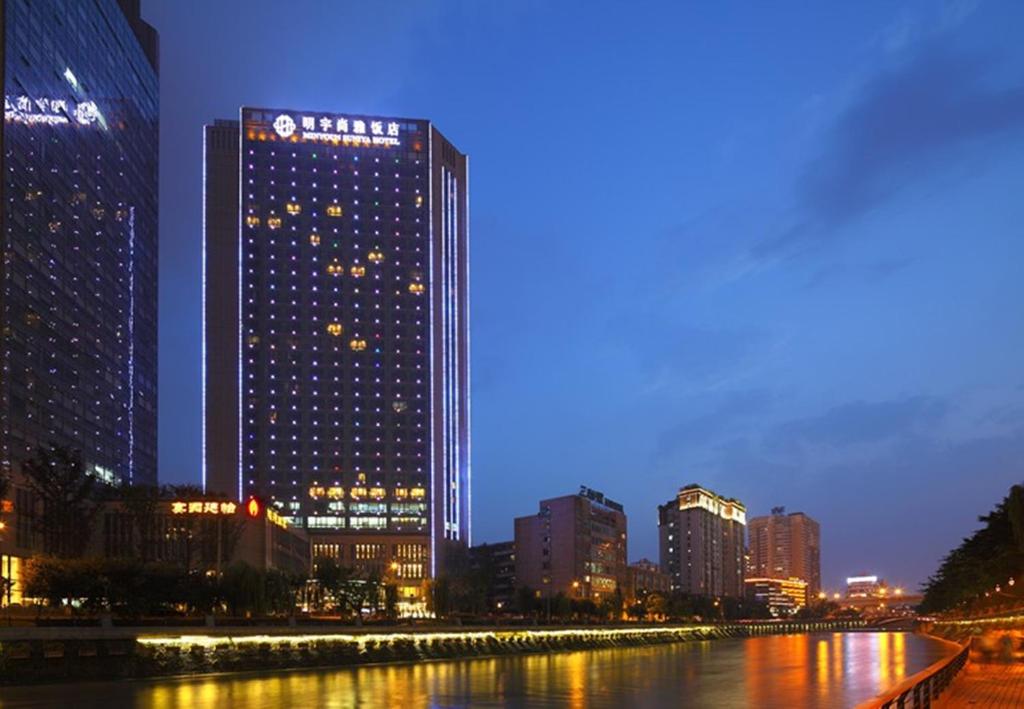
{"points": [[336, 492]]}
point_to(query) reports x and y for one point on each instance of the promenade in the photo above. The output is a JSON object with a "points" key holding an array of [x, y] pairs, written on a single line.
{"points": [[986, 685]]}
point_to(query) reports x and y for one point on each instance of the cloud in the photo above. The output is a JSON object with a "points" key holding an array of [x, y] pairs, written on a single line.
{"points": [[870, 273], [701, 430], [861, 422], [900, 123]]}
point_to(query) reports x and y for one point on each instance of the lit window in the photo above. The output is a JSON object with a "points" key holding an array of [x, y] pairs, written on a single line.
{"points": [[274, 222], [417, 493], [316, 492], [252, 220], [358, 271], [399, 406], [375, 257], [293, 207], [336, 493], [357, 345], [334, 210], [335, 329], [334, 268], [314, 239], [416, 288]]}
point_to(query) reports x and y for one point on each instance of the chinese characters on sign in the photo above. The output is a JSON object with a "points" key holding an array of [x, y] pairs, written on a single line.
{"points": [[49, 111], [203, 507], [338, 130]]}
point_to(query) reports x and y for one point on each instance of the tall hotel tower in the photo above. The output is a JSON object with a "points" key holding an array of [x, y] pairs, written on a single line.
{"points": [[78, 231], [336, 332]]}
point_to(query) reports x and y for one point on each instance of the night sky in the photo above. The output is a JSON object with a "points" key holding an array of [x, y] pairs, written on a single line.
{"points": [[774, 248]]}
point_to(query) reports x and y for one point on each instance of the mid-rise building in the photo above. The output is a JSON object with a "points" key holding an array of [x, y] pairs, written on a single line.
{"points": [[496, 563], [783, 597], [644, 578], [336, 331], [864, 586], [785, 546], [78, 232], [701, 542], [575, 545]]}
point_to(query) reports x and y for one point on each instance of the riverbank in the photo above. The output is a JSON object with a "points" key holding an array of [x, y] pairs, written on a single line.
{"points": [[39, 655]]}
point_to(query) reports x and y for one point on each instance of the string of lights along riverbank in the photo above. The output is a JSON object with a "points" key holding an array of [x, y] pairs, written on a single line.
{"points": [[336, 332]]}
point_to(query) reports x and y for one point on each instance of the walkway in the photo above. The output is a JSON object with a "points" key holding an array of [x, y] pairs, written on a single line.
{"points": [[986, 685]]}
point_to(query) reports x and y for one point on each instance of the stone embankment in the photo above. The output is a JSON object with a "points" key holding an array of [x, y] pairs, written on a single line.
{"points": [[30, 655]]}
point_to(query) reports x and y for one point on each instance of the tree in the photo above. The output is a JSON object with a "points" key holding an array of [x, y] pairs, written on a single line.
{"points": [[243, 589], [201, 541], [526, 600], [5, 486], [989, 557], [390, 601], [351, 590], [141, 503], [66, 494]]}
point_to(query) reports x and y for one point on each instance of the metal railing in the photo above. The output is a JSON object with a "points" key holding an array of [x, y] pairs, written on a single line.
{"points": [[921, 689]]}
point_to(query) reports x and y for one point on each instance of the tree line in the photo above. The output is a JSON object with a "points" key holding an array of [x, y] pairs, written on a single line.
{"points": [[984, 563]]}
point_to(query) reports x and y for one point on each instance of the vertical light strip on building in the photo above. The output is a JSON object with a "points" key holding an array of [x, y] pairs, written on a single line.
{"points": [[445, 318], [131, 344], [430, 292], [469, 388], [206, 156], [241, 320], [457, 442]]}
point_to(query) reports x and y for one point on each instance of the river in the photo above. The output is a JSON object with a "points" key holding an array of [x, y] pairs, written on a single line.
{"points": [[814, 670]]}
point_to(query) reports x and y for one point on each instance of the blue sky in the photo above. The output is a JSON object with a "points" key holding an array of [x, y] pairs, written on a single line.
{"points": [[774, 248]]}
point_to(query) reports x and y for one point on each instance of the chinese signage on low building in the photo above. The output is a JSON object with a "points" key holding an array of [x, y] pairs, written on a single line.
{"points": [[203, 507]]}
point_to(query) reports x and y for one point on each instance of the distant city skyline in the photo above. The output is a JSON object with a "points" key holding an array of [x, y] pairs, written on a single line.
{"points": [[771, 249]]}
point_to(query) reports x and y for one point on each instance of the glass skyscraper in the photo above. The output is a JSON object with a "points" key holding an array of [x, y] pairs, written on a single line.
{"points": [[78, 278], [336, 334]]}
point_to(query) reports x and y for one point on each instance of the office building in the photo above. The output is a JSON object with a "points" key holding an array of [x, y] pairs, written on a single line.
{"points": [[701, 542], [575, 545], [785, 546], [336, 333], [78, 302]]}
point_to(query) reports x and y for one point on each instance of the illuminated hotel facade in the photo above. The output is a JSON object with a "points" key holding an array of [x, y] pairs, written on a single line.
{"points": [[336, 332], [78, 302], [701, 539]]}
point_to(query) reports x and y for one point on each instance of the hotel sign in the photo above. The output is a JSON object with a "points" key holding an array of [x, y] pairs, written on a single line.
{"points": [[337, 129], [49, 111]]}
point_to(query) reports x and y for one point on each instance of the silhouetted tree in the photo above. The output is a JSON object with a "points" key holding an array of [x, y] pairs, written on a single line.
{"points": [[66, 495], [5, 486], [990, 556], [141, 504]]}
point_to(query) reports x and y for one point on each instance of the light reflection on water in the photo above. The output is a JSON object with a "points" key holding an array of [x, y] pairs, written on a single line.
{"points": [[816, 670]]}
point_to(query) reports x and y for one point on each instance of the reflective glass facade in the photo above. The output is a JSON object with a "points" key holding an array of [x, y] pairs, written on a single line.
{"points": [[79, 273], [351, 332]]}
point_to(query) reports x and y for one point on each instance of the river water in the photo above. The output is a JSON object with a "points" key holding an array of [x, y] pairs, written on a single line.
{"points": [[814, 670]]}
